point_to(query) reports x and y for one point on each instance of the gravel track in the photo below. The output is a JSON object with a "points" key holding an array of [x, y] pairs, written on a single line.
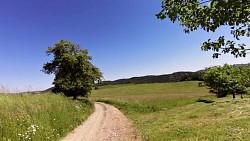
{"points": [[107, 123]]}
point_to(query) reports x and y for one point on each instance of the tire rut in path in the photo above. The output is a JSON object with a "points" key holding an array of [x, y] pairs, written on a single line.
{"points": [[107, 123]]}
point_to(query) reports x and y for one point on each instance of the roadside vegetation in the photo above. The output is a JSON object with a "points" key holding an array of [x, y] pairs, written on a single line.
{"points": [[179, 111], [40, 116]]}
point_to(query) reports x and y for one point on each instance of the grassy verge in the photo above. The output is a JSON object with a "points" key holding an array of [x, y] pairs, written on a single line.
{"points": [[178, 113], [39, 117]]}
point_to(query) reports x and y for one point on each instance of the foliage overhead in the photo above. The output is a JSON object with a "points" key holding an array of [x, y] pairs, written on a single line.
{"points": [[227, 79], [209, 15], [75, 75]]}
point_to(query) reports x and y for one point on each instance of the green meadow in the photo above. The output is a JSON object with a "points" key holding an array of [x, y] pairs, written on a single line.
{"points": [[179, 111], [39, 117], [160, 95]]}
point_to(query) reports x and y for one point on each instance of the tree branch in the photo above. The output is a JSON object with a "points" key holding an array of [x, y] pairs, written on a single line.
{"points": [[236, 48], [206, 1]]}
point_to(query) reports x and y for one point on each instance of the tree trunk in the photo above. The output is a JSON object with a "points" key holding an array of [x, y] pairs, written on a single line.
{"points": [[74, 97], [241, 96], [233, 95]]}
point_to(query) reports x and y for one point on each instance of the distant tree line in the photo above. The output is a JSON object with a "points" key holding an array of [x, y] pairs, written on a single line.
{"points": [[174, 77]]}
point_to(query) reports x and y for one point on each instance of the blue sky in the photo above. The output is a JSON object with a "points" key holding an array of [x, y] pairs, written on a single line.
{"points": [[124, 38]]}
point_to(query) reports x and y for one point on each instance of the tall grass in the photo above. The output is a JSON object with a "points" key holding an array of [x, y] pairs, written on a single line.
{"points": [[39, 117]]}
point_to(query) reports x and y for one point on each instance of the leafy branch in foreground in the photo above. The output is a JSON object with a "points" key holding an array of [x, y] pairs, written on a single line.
{"points": [[209, 15]]}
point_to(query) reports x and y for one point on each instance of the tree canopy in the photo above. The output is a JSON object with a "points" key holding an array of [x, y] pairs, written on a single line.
{"points": [[209, 15], [75, 75], [227, 79]]}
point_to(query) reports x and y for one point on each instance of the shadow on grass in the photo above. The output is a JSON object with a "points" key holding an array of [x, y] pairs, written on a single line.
{"points": [[204, 100]]}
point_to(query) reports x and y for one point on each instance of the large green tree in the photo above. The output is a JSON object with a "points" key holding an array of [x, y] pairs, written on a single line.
{"points": [[75, 75], [209, 15], [245, 71], [227, 79]]}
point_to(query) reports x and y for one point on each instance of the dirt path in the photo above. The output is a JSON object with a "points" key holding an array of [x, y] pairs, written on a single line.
{"points": [[107, 123]]}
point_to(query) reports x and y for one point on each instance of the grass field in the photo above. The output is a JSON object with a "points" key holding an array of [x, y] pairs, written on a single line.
{"points": [[179, 111], [39, 117], [162, 95]]}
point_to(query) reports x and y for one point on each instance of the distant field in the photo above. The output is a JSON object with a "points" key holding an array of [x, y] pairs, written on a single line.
{"points": [[164, 95], [179, 111], [39, 117]]}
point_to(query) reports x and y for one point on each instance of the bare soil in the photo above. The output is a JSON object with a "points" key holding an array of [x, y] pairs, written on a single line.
{"points": [[107, 123]]}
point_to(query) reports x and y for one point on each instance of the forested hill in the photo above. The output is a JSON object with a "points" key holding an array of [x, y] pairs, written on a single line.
{"points": [[174, 77]]}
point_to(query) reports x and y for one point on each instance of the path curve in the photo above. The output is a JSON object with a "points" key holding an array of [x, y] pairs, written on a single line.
{"points": [[107, 123]]}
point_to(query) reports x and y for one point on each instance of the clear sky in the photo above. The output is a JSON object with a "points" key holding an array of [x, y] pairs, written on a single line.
{"points": [[124, 37]]}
